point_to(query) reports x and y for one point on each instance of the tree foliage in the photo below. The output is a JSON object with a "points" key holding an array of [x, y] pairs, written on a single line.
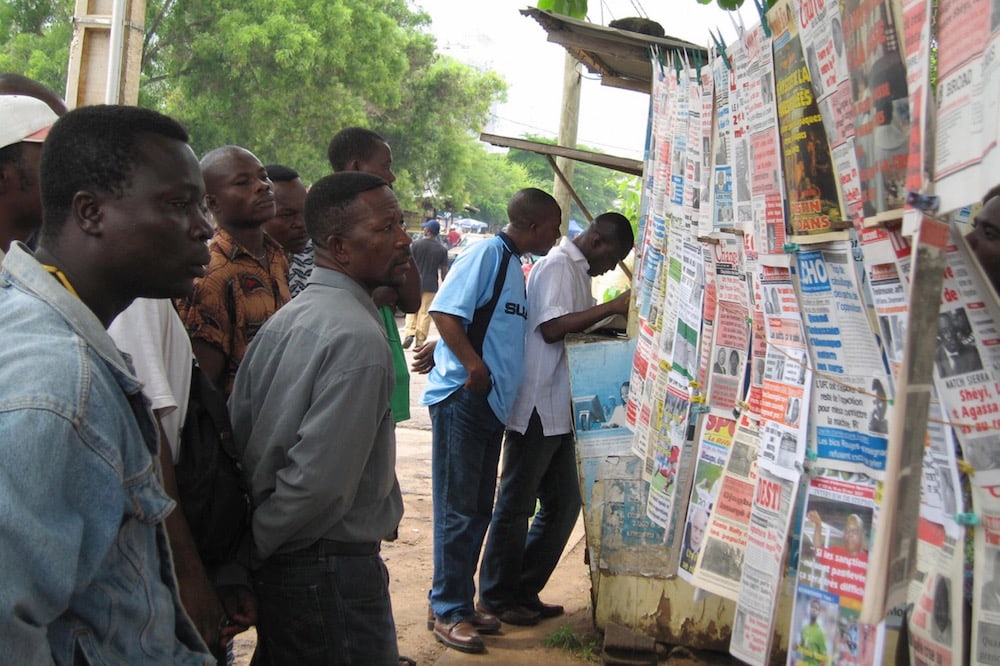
{"points": [[599, 188]]}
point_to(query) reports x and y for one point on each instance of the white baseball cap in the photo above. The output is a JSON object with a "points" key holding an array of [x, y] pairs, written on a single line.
{"points": [[24, 118]]}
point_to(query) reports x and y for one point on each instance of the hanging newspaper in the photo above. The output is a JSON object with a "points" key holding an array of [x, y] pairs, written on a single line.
{"points": [[715, 440], [823, 41], [810, 178], [848, 420], [732, 335], [832, 574], [773, 504], [966, 159], [787, 377], [759, 186], [720, 562], [881, 105], [937, 622], [722, 154]]}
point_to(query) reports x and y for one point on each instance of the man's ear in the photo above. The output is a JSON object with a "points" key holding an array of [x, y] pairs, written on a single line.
{"points": [[88, 212], [337, 247], [8, 178], [211, 203]]}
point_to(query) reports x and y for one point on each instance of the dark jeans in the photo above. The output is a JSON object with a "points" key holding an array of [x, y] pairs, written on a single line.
{"points": [[465, 453], [518, 562], [318, 607]]}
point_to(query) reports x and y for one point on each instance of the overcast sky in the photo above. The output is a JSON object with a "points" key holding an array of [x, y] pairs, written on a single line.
{"points": [[493, 34]]}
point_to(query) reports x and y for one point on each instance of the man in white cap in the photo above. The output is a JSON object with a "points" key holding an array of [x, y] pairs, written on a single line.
{"points": [[24, 123]]}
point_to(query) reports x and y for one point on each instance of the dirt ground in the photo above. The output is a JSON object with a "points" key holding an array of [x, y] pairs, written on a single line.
{"points": [[409, 560]]}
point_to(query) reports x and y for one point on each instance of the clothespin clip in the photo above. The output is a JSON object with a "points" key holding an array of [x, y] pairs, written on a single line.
{"points": [[741, 405], [699, 409], [678, 67], [812, 455], [738, 27], [965, 468], [761, 6], [967, 518], [697, 399], [748, 320], [928, 203], [790, 248], [694, 384], [720, 46], [698, 62]]}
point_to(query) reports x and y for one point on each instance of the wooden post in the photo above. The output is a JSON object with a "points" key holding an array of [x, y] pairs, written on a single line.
{"points": [[569, 121], [95, 51]]}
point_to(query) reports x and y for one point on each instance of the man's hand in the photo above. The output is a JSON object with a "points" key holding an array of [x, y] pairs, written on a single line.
{"points": [[619, 304], [204, 608], [479, 381], [240, 609], [423, 358]]}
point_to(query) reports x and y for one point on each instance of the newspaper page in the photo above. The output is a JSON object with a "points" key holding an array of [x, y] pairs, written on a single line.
{"points": [[832, 575], [720, 562], [666, 449], [811, 181], [722, 153], [699, 128], [937, 620], [881, 105], [917, 43], [941, 496], [966, 159], [823, 42], [787, 373], [732, 335], [967, 361], [985, 645], [848, 419], [703, 223], [714, 442], [893, 553], [762, 189], [770, 514]]}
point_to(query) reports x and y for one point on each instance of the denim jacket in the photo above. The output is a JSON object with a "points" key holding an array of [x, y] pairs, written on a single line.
{"points": [[85, 570]]}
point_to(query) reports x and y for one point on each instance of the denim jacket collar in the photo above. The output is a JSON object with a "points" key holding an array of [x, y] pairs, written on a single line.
{"points": [[21, 268]]}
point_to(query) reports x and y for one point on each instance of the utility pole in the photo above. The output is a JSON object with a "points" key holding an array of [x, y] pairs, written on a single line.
{"points": [[569, 121], [105, 57]]}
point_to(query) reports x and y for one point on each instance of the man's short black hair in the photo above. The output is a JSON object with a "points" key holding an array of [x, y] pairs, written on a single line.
{"points": [[279, 173], [329, 197], [94, 147], [615, 227], [352, 143]]}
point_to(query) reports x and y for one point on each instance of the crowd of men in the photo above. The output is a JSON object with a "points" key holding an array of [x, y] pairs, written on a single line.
{"points": [[116, 238]]}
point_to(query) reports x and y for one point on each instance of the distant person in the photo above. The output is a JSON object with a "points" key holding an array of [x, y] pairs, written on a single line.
{"points": [[984, 239], [360, 149], [87, 574], [247, 279], [24, 123], [431, 257], [480, 313], [539, 455], [453, 237], [311, 420], [288, 226]]}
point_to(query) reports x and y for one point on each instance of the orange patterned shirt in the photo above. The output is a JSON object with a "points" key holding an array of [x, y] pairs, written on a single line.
{"points": [[234, 299]]}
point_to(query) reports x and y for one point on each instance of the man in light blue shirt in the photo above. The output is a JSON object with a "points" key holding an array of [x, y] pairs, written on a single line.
{"points": [[481, 314]]}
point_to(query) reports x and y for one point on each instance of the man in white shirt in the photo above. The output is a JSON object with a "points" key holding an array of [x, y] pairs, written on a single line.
{"points": [[539, 459]]}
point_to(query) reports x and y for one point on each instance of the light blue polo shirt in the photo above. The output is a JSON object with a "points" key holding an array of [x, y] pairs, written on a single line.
{"points": [[468, 286]]}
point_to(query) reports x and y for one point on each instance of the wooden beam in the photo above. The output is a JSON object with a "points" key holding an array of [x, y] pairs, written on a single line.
{"points": [[90, 52], [623, 164]]}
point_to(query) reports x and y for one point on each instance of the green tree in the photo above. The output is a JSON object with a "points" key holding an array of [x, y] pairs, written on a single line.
{"points": [[599, 188], [34, 39]]}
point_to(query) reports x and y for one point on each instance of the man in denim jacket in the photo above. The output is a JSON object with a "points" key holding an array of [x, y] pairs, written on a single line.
{"points": [[87, 575]]}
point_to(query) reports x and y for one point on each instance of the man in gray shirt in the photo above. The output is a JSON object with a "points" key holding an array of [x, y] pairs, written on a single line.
{"points": [[311, 419]]}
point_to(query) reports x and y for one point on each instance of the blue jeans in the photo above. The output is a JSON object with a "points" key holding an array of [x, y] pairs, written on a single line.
{"points": [[518, 562], [464, 458], [321, 608]]}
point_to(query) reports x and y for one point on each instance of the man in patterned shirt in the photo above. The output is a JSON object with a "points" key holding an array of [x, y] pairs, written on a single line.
{"points": [[246, 281]]}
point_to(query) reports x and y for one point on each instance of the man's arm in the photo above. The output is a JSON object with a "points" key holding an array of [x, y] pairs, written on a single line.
{"points": [[452, 331], [556, 329], [212, 362]]}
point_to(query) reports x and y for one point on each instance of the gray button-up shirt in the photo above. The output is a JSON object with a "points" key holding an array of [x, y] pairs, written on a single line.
{"points": [[311, 419]]}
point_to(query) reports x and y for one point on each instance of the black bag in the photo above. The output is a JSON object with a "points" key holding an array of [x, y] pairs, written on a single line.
{"points": [[209, 475]]}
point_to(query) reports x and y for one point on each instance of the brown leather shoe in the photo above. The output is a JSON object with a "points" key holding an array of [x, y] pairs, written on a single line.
{"points": [[485, 623], [544, 610], [517, 615], [461, 636]]}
